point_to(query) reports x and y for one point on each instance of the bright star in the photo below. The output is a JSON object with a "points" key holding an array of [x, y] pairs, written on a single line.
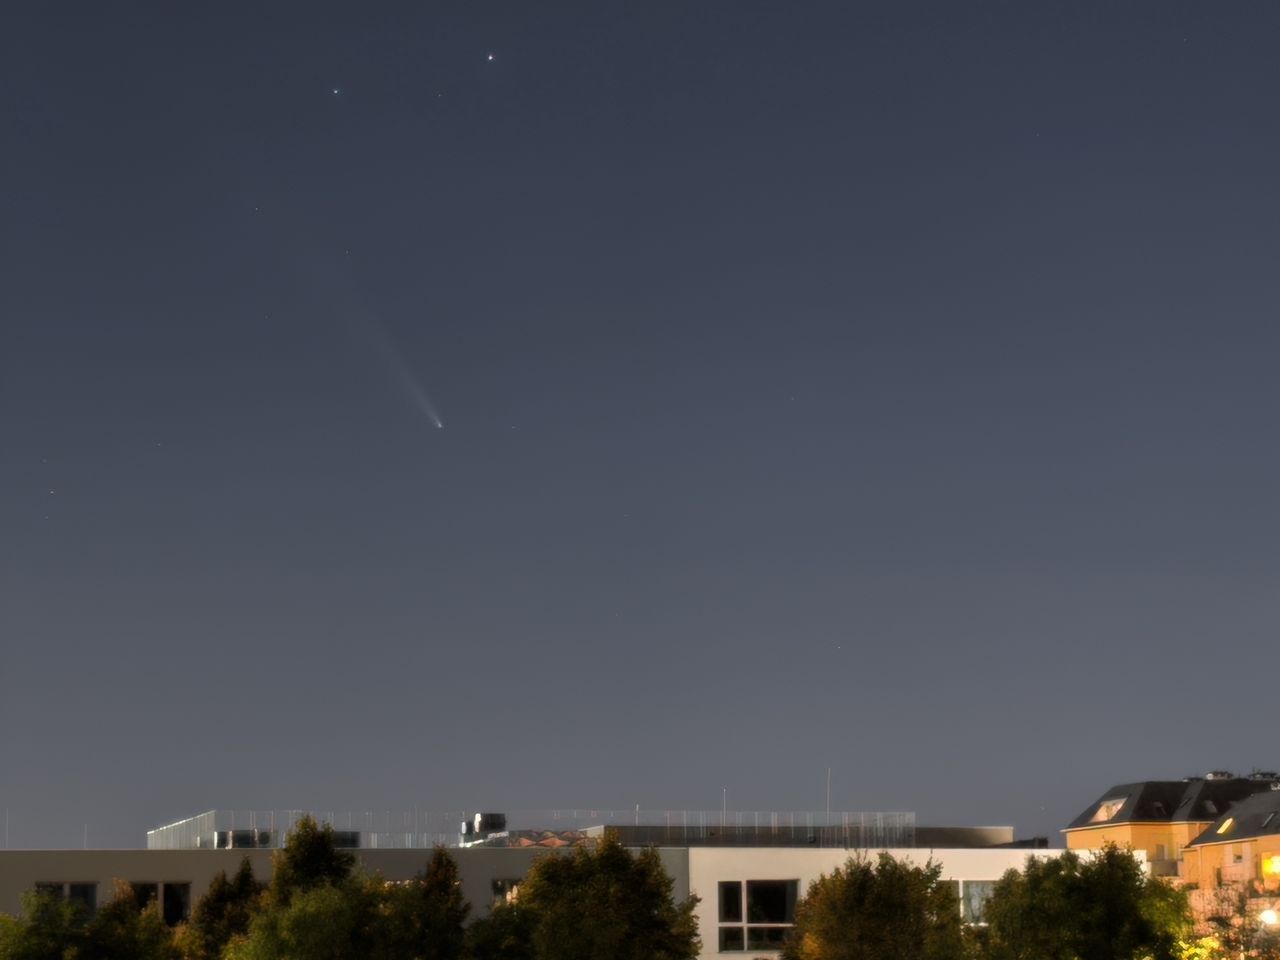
{"points": [[490, 57]]}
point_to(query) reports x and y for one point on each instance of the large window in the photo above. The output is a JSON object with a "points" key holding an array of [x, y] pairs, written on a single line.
{"points": [[974, 901], [145, 893], [177, 903], [756, 914], [85, 894]]}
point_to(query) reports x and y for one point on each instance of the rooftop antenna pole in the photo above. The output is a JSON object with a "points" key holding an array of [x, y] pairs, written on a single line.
{"points": [[828, 796], [724, 805]]}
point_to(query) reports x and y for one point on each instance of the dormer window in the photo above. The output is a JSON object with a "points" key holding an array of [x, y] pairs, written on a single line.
{"points": [[1225, 827], [1107, 809], [1211, 808], [1266, 821]]}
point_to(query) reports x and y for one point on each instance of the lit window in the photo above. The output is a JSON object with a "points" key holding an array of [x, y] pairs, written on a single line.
{"points": [[505, 891], [757, 914], [976, 895], [1271, 866], [1225, 827], [1107, 809]]}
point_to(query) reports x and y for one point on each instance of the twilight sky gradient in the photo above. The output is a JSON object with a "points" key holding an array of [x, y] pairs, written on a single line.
{"points": [[883, 386]]}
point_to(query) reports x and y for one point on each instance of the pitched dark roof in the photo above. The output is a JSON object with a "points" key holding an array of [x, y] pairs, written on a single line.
{"points": [[1169, 800], [1255, 816]]}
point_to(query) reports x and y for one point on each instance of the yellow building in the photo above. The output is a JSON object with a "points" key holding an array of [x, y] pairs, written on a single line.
{"points": [[1162, 818], [1238, 852]]}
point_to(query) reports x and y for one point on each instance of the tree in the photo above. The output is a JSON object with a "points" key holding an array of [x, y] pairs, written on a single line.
{"points": [[225, 911], [882, 910], [325, 922], [506, 934], [597, 903], [1103, 907], [49, 928], [1237, 926], [309, 859], [123, 929], [425, 917]]}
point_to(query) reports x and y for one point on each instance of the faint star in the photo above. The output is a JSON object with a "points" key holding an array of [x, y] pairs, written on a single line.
{"points": [[336, 91], [489, 57]]}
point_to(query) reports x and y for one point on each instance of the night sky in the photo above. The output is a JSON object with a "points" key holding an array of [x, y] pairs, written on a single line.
{"points": [[889, 387]]}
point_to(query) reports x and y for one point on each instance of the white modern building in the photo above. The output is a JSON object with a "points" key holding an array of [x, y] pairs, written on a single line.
{"points": [[747, 875]]}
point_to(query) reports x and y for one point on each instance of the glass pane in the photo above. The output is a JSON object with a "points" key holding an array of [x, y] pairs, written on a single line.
{"points": [[731, 939], [177, 903], [145, 893], [731, 902], [49, 890], [766, 938], [85, 894], [771, 901], [976, 895]]}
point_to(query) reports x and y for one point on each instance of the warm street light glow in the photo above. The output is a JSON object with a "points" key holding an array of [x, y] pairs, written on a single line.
{"points": [[1269, 917]]}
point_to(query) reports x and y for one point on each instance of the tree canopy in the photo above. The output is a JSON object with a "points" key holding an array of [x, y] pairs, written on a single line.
{"points": [[224, 912], [594, 903], [1100, 907], [884, 909], [48, 929], [310, 858]]}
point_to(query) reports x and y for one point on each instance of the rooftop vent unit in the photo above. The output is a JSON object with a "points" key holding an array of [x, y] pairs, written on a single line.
{"points": [[490, 822], [1264, 775], [1221, 775]]}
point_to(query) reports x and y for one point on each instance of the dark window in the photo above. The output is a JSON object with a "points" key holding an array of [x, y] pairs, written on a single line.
{"points": [[145, 893], [177, 903], [50, 890], [731, 938], [85, 894], [731, 902], [771, 901], [765, 938]]}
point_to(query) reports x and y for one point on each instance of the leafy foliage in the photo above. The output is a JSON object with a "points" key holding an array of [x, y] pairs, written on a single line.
{"points": [[309, 859], [49, 929], [324, 922], [1101, 908], [882, 910], [600, 903], [425, 918], [123, 930], [506, 934], [321, 909], [224, 912]]}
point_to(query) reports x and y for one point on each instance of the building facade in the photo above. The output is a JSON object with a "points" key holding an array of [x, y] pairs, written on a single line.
{"points": [[748, 881]]}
